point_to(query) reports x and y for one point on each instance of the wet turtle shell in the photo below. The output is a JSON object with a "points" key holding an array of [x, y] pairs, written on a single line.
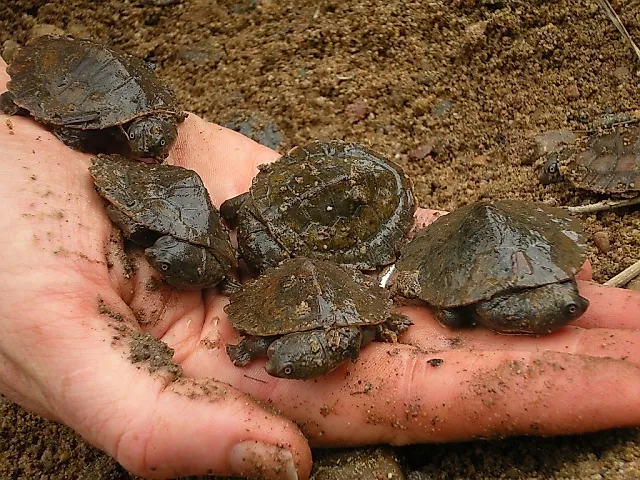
{"points": [[333, 305], [92, 95], [167, 209], [329, 200], [606, 162], [498, 250]]}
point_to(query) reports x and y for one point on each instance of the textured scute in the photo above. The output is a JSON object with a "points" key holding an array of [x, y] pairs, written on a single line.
{"points": [[167, 199], [304, 294], [607, 162], [85, 85], [335, 200], [485, 248]]}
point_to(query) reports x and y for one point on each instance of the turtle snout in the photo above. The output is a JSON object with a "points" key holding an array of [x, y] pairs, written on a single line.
{"points": [[550, 172]]}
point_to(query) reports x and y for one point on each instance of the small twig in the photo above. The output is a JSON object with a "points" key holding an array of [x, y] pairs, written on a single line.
{"points": [[611, 13], [254, 378], [604, 205], [625, 276]]}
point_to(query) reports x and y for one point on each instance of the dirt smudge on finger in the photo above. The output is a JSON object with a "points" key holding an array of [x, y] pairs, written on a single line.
{"points": [[143, 348]]}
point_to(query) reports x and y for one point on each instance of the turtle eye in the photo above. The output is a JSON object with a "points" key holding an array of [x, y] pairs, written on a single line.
{"points": [[132, 135], [571, 309], [552, 168], [162, 142], [164, 266], [288, 370]]}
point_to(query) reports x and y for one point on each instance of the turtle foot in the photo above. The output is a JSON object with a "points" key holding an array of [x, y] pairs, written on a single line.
{"points": [[248, 349], [7, 105]]}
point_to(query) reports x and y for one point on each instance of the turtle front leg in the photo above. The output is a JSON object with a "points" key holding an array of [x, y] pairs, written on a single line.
{"points": [[459, 317], [8, 105], [90, 141], [256, 245], [229, 285], [392, 327], [230, 208], [249, 348]]}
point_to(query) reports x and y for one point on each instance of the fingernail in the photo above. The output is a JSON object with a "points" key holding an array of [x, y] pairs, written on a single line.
{"points": [[255, 458]]}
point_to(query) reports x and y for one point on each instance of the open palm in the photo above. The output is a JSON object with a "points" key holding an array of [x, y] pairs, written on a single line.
{"points": [[79, 318]]}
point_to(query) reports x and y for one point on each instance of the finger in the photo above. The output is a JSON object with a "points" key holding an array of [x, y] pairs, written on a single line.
{"points": [[400, 394], [120, 390], [429, 335], [609, 308], [4, 77], [226, 160]]}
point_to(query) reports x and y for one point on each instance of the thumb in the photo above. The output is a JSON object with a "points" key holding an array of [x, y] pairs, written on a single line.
{"points": [[119, 389], [199, 426]]}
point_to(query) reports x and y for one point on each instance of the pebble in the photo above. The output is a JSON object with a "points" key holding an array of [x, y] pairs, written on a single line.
{"points": [[601, 239], [41, 29], [572, 92], [9, 49], [422, 151], [357, 111], [442, 109], [480, 161], [431, 146], [257, 126]]}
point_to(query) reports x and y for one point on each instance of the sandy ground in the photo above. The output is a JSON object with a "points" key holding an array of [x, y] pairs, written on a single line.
{"points": [[453, 90]]}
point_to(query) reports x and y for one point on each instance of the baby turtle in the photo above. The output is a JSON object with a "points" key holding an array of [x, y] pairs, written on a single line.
{"points": [[508, 264], [167, 210], [334, 201], [607, 162], [93, 98], [308, 316]]}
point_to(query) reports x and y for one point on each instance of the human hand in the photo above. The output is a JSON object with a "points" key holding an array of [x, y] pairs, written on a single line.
{"points": [[60, 357]]}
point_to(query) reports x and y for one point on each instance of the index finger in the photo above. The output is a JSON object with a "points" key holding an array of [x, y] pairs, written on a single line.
{"points": [[4, 76]]}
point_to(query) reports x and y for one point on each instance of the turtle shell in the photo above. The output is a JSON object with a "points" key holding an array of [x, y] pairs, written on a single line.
{"points": [[486, 248], [303, 294], [85, 85], [607, 162], [335, 200], [166, 199]]}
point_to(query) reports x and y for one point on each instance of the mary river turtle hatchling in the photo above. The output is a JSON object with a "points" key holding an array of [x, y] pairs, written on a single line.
{"points": [[607, 162], [308, 316], [335, 201], [93, 98], [167, 209], [508, 264]]}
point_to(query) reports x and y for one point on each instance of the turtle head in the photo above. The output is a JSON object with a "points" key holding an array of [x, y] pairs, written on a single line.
{"points": [[184, 265], [304, 355], [534, 311], [550, 172], [151, 137]]}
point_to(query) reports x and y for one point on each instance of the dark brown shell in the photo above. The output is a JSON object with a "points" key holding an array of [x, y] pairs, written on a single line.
{"points": [[304, 294], [85, 85], [487, 248], [607, 162], [166, 199], [335, 200]]}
